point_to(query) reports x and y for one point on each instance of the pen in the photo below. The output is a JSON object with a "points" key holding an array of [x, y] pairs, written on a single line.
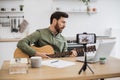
{"points": [[55, 61]]}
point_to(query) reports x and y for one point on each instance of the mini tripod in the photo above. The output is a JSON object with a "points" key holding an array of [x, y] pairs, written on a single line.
{"points": [[85, 65]]}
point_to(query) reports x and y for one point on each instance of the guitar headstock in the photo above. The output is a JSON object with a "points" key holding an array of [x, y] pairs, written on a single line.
{"points": [[91, 48]]}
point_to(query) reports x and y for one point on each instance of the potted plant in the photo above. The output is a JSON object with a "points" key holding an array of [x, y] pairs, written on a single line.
{"points": [[86, 2], [87, 5]]}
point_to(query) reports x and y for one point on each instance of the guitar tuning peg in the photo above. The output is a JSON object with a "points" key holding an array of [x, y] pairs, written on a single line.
{"points": [[94, 48], [88, 49]]}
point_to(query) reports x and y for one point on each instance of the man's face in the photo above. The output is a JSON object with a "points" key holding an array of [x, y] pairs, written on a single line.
{"points": [[60, 24]]}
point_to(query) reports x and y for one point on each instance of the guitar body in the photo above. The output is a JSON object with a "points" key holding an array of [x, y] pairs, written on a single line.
{"points": [[45, 49]]}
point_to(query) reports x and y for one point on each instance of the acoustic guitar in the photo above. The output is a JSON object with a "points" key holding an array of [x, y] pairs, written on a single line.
{"points": [[50, 51]]}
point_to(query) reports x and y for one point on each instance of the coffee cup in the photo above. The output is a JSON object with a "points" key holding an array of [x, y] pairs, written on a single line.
{"points": [[36, 62]]}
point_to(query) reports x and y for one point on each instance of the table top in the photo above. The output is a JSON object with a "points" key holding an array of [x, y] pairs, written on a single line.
{"points": [[108, 70]]}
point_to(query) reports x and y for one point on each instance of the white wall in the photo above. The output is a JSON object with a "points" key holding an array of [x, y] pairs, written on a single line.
{"points": [[37, 12]]}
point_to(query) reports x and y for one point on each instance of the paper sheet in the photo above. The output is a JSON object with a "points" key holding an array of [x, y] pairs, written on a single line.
{"points": [[57, 63]]}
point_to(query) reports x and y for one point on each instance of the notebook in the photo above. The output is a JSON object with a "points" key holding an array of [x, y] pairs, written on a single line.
{"points": [[104, 50]]}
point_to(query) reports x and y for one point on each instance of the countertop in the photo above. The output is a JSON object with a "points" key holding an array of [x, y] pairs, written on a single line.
{"points": [[17, 39], [9, 40]]}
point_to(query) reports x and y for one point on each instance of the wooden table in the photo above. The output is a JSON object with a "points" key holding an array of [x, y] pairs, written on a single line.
{"points": [[109, 70]]}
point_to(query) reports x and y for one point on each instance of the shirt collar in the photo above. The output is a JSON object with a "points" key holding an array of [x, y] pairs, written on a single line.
{"points": [[57, 35]]}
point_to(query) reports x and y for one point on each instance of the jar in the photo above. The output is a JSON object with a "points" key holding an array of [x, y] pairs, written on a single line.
{"points": [[102, 60]]}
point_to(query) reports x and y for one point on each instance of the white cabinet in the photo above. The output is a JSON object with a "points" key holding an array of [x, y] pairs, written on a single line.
{"points": [[6, 51], [74, 6]]}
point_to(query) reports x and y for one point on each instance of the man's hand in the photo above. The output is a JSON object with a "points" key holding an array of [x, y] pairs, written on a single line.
{"points": [[43, 55], [74, 53]]}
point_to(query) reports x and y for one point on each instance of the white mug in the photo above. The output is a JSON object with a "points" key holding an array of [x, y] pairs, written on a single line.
{"points": [[36, 61]]}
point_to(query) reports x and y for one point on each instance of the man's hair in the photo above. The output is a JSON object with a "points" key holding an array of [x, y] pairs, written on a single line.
{"points": [[57, 15]]}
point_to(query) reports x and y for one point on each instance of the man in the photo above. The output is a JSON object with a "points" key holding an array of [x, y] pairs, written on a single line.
{"points": [[47, 36]]}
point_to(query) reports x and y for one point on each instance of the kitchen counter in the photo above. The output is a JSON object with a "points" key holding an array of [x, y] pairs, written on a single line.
{"points": [[9, 40], [105, 37], [17, 39]]}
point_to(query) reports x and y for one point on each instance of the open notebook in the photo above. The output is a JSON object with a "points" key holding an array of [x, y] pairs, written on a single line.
{"points": [[104, 50]]}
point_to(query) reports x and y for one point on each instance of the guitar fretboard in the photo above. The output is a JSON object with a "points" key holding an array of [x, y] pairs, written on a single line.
{"points": [[79, 50], [63, 54]]}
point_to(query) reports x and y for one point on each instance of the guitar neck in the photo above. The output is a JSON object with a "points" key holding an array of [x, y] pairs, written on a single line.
{"points": [[79, 50], [63, 54]]}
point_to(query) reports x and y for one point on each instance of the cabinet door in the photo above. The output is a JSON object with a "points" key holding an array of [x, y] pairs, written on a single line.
{"points": [[6, 50]]}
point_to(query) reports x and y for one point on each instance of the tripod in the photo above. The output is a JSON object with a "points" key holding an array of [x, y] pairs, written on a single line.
{"points": [[85, 65]]}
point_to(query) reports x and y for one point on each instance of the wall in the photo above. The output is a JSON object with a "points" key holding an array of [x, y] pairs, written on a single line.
{"points": [[37, 12]]}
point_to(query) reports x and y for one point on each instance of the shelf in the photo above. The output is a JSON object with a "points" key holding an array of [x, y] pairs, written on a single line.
{"points": [[105, 37], [81, 12], [11, 0], [11, 6], [77, 6], [77, 10], [11, 12], [74, 0]]}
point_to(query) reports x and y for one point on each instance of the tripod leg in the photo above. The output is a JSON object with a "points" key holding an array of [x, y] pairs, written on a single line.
{"points": [[80, 70], [83, 68], [90, 69]]}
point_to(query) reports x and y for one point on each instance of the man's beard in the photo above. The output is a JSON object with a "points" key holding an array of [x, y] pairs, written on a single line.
{"points": [[59, 30]]}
